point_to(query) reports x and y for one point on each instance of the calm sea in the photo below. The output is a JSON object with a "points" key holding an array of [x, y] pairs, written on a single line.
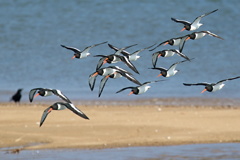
{"points": [[31, 33]]}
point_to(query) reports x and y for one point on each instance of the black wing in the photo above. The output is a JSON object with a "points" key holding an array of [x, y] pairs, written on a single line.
{"points": [[181, 21], [128, 63], [71, 48], [74, 109], [196, 84], [61, 95], [125, 89], [159, 45], [32, 93], [228, 79], [155, 58], [102, 85], [180, 54], [92, 80], [44, 115]]}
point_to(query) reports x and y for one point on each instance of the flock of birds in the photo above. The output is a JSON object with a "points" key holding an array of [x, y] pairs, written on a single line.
{"points": [[121, 55]]}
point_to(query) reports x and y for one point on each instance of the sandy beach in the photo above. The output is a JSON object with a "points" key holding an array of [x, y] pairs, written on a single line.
{"points": [[116, 126]]}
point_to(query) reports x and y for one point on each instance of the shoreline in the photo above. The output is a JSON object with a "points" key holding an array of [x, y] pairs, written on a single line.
{"points": [[117, 126]]}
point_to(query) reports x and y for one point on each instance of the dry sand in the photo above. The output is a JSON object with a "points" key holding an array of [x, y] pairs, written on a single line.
{"points": [[116, 126]]}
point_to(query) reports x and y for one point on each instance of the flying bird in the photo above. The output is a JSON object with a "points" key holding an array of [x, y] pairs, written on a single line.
{"points": [[81, 54], [139, 89], [62, 106], [46, 92], [168, 72], [179, 41], [131, 56], [116, 74], [201, 34], [17, 96], [211, 87], [112, 72], [113, 58], [195, 24], [166, 53]]}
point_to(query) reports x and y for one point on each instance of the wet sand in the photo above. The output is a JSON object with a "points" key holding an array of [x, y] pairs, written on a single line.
{"points": [[117, 126]]}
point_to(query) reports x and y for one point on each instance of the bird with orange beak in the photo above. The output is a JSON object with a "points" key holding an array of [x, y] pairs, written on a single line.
{"points": [[212, 87], [139, 89], [195, 24]]}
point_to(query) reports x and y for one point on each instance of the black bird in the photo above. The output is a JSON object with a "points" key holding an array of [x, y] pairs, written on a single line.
{"points": [[17, 96]]}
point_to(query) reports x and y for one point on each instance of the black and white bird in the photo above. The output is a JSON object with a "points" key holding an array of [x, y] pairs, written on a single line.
{"points": [[171, 71], [116, 74], [179, 41], [44, 92], [195, 24], [62, 106], [112, 72], [211, 87], [166, 53], [201, 34], [81, 54], [139, 89], [17, 96], [113, 58], [131, 56]]}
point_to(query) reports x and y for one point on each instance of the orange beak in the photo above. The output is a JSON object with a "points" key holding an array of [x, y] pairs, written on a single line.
{"points": [[130, 93], [183, 29], [50, 110], [73, 57], [187, 38], [36, 95], [95, 74], [204, 90], [159, 75], [159, 55], [166, 43], [105, 61]]}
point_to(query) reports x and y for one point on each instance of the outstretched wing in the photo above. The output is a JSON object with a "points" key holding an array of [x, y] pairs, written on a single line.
{"points": [[180, 54], [182, 42], [198, 19], [159, 45], [128, 63], [155, 58], [196, 84], [124, 89], [228, 79], [181, 21], [74, 109], [102, 85], [212, 34], [32, 93], [71, 48], [129, 77], [101, 61], [89, 47], [44, 115], [61, 95], [124, 52], [92, 80]]}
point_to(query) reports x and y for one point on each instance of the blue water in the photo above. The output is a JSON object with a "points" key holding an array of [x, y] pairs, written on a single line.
{"points": [[31, 56], [223, 151]]}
